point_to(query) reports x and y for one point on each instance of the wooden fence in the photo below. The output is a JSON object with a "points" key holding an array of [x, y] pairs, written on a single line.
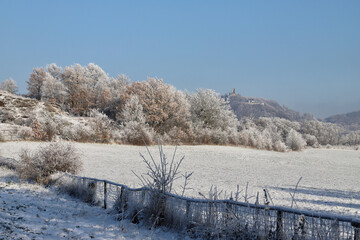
{"points": [[220, 219]]}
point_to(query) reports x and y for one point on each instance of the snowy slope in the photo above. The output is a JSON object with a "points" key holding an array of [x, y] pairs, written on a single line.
{"points": [[330, 176], [33, 212]]}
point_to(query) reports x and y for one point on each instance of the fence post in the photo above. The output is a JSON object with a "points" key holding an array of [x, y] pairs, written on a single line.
{"points": [[123, 199], [121, 195], [105, 194], [279, 225], [356, 230], [187, 209], [227, 214], [143, 194], [335, 230]]}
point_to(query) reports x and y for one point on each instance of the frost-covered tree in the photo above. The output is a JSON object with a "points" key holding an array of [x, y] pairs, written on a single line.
{"points": [[209, 110], [277, 126], [133, 111], [55, 71], [53, 90], [36, 80], [98, 82], [266, 133], [134, 128], [326, 133], [80, 95], [163, 105], [118, 85], [351, 138], [9, 85], [88, 86], [78, 88]]}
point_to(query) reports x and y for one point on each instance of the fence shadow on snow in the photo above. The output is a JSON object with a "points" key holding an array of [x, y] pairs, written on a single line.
{"points": [[220, 219]]}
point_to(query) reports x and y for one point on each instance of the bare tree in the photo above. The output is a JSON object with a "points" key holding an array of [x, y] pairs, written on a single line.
{"points": [[36, 80]]}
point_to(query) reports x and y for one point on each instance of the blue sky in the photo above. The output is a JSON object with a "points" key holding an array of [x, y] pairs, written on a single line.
{"points": [[303, 54]]}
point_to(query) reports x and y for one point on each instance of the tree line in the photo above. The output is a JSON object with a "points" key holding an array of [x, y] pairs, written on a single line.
{"points": [[131, 112]]}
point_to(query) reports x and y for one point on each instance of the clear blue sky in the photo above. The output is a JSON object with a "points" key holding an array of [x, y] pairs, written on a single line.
{"points": [[304, 54]]}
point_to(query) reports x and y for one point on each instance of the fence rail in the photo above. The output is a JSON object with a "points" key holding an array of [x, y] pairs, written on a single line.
{"points": [[225, 219]]}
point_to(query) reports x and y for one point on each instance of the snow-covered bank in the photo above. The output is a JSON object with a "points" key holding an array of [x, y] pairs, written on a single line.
{"points": [[32, 212], [330, 176]]}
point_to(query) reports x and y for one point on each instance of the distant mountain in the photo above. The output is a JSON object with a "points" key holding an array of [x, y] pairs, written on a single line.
{"points": [[350, 121], [260, 107]]}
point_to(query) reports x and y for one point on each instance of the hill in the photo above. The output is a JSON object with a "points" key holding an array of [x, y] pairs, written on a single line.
{"points": [[17, 109], [350, 121], [30, 119], [259, 107], [16, 113]]}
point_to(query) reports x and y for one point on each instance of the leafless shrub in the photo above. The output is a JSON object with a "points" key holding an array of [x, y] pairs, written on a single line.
{"points": [[160, 178], [48, 159]]}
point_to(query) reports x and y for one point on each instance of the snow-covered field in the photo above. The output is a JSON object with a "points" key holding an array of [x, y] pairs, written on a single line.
{"points": [[330, 177], [32, 212]]}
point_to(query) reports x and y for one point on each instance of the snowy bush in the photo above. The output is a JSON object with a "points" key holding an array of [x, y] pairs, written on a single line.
{"points": [[234, 138], [219, 137], [81, 133], [202, 135], [205, 135], [43, 126], [251, 137], [176, 135], [26, 133], [134, 128], [270, 134], [295, 141], [86, 191], [101, 124], [311, 140], [48, 159], [137, 134], [8, 163], [9, 85], [279, 146]]}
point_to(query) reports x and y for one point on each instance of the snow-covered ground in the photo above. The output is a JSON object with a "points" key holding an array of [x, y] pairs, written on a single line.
{"points": [[32, 212], [330, 177]]}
